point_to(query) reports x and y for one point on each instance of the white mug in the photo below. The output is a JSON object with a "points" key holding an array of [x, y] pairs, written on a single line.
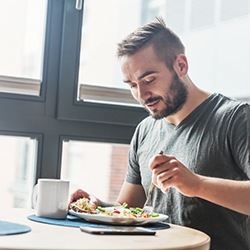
{"points": [[50, 198]]}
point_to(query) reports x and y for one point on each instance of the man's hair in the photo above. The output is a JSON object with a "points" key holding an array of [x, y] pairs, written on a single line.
{"points": [[166, 43]]}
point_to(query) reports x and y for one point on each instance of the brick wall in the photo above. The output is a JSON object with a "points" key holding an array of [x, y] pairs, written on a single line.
{"points": [[118, 169]]}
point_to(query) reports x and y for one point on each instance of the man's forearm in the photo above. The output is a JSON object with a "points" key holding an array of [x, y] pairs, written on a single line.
{"points": [[231, 194]]}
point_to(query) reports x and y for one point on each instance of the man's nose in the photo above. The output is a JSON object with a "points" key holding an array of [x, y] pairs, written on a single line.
{"points": [[143, 93]]}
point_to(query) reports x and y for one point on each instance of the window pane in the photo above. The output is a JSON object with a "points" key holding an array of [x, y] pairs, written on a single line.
{"points": [[17, 166], [98, 62], [22, 24], [98, 168]]}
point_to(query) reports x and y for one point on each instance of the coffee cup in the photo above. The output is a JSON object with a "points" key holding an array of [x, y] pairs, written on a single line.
{"points": [[50, 198]]}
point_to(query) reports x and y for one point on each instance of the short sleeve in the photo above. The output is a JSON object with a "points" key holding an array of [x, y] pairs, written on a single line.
{"points": [[239, 136], [133, 173]]}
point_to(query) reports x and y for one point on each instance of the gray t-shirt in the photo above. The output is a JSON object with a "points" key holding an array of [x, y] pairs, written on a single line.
{"points": [[214, 140]]}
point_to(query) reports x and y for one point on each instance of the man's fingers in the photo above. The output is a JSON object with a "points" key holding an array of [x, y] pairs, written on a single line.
{"points": [[77, 195]]}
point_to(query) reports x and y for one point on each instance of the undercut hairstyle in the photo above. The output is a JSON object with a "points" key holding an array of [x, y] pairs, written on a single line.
{"points": [[166, 43]]}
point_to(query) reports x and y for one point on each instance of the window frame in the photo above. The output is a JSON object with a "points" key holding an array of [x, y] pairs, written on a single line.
{"points": [[71, 108], [56, 115]]}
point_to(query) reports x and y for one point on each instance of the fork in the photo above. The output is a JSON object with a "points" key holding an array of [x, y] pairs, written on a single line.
{"points": [[150, 191]]}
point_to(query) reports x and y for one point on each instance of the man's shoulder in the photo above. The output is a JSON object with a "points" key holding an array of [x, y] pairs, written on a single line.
{"points": [[228, 103]]}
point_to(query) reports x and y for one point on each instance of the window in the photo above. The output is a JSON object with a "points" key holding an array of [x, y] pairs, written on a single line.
{"points": [[79, 106], [98, 168], [99, 72], [22, 26], [18, 156], [77, 51], [55, 116]]}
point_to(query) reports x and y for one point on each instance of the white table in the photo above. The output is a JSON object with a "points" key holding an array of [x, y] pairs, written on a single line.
{"points": [[45, 236]]}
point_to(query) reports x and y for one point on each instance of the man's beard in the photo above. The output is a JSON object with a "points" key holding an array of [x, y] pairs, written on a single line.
{"points": [[173, 100]]}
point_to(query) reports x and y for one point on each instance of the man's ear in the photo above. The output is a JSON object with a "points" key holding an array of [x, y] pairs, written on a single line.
{"points": [[181, 65]]}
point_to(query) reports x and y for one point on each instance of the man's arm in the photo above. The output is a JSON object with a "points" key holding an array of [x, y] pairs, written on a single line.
{"points": [[132, 194], [232, 194], [169, 172]]}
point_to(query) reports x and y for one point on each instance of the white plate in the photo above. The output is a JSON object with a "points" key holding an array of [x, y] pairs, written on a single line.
{"points": [[107, 219]]}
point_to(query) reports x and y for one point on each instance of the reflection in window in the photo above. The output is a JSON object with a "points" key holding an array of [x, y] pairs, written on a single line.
{"points": [[22, 25], [17, 166], [98, 168]]}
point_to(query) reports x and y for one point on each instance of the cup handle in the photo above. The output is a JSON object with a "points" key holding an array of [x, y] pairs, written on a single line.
{"points": [[34, 196]]}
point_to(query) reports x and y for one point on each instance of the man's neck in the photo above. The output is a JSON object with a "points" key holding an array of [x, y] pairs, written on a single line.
{"points": [[195, 97]]}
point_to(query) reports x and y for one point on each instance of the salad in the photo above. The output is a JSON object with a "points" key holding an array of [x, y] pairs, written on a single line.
{"points": [[83, 205]]}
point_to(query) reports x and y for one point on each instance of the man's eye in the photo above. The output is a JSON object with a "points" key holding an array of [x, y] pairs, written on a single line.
{"points": [[132, 86], [149, 80]]}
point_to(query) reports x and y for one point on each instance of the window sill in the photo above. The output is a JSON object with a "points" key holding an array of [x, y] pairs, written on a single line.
{"points": [[118, 96], [16, 85]]}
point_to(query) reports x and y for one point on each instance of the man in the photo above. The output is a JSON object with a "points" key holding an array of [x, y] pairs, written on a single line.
{"points": [[203, 178]]}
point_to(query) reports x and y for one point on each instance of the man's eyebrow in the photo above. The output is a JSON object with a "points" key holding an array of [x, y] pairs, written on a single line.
{"points": [[149, 72], [126, 81]]}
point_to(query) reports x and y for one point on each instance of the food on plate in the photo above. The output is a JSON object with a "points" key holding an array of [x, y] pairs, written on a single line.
{"points": [[83, 205]]}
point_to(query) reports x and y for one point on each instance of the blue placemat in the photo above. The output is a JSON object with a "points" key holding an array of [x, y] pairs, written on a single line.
{"points": [[8, 228], [73, 221]]}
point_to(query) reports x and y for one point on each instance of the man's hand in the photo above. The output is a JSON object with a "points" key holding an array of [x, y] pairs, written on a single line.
{"points": [[169, 172], [82, 194]]}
